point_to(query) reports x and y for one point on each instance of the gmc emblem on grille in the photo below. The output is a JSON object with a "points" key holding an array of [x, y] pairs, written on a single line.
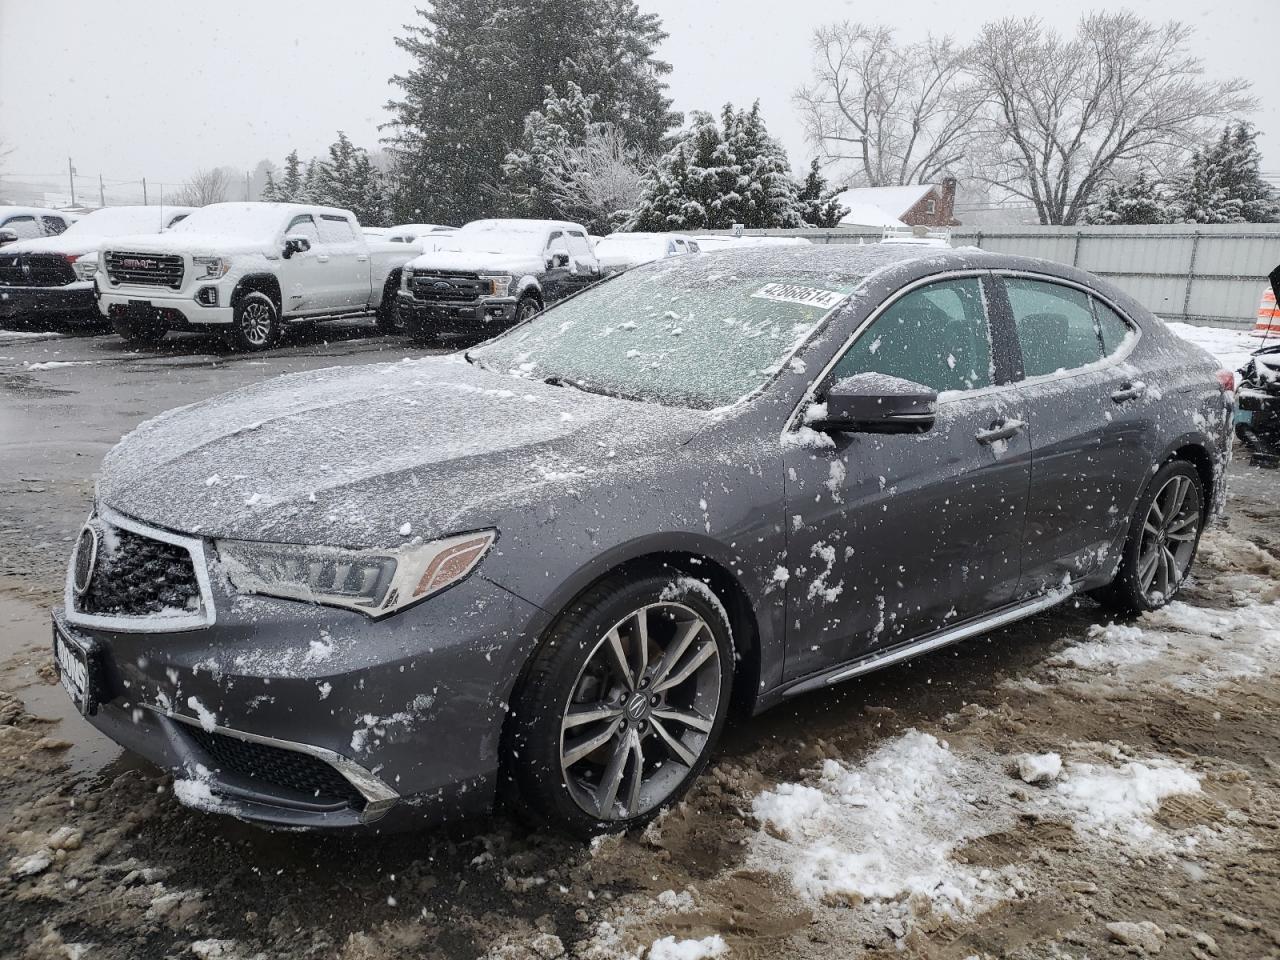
{"points": [[86, 559], [133, 263]]}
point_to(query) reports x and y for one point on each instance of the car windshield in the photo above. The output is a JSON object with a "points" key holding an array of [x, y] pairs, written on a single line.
{"points": [[491, 238], [118, 221], [681, 334], [249, 221]]}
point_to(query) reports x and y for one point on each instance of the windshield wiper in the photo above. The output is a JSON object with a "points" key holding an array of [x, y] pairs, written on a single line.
{"points": [[558, 381]]}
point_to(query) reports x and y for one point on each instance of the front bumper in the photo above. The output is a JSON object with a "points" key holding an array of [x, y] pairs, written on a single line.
{"points": [[152, 306], [262, 707], [43, 301], [443, 320]]}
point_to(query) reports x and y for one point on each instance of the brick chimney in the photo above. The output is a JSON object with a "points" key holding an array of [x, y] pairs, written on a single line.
{"points": [[947, 205]]}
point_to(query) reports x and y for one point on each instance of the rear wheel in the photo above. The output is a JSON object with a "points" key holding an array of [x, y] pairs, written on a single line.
{"points": [[621, 706], [1163, 537], [256, 323]]}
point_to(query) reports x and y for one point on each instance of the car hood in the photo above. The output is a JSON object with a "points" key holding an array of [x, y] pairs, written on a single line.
{"points": [[349, 456], [65, 246], [200, 244], [514, 263]]}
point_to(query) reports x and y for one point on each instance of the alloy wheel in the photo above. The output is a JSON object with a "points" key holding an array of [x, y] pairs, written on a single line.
{"points": [[255, 323], [641, 711], [1169, 534]]}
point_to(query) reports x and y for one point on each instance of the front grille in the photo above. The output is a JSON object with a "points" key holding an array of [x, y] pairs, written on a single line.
{"points": [[309, 777], [145, 269], [35, 270], [447, 285], [136, 576]]}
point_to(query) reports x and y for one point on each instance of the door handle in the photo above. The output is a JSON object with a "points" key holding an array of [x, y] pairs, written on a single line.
{"points": [[362, 258], [323, 258], [1130, 391], [1000, 430]]}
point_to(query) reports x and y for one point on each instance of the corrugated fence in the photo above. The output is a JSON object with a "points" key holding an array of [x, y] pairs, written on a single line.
{"points": [[1203, 273]]}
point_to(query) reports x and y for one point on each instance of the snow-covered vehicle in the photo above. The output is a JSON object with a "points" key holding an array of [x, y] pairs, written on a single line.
{"points": [[711, 242], [54, 275], [1258, 396], [247, 270], [27, 223], [411, 232], [622, 251], [491, 274]]}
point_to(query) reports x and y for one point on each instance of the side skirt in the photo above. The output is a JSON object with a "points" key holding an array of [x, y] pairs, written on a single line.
{"points": [[932, 641]]}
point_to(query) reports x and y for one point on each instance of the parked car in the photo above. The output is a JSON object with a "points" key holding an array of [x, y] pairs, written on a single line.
{"points": [[622, 251], [27, 223], [411, 232], [711, 242], [491, 274], [54, 275], [247, 270], [549, 564]]}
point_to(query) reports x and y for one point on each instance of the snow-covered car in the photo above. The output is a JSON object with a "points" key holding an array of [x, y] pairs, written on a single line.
{"points": [[410, 232], [712, 242], [622, 251], [246, 270], [546, 567], [54, 275], [375, 233], [27, 223], [491, 274]]}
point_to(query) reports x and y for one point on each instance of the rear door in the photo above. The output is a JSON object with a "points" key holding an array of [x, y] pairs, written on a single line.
{"points": [[892, 537], [1090, 423], [345, 262]]}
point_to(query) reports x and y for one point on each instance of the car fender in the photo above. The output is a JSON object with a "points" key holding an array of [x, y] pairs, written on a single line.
{"points": [[257, 280], [528, 284]]}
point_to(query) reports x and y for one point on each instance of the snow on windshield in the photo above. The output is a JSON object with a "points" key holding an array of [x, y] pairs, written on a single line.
{"points": [[251, 221], [679, 334], [119, 221], [497, 236]]}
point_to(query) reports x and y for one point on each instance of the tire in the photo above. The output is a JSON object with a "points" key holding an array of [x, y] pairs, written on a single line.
{"points": [[255, 324], [528, 307], [1164, 535], [140, 335], [389, 322], [567, 775]]}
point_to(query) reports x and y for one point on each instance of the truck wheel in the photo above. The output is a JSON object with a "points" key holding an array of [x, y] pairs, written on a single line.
{"points": [[256, 323], [389, 320], [528, 306]]}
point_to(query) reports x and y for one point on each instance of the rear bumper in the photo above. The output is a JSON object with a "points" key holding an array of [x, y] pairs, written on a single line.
{"points": [[443, 320], [41, 301]]}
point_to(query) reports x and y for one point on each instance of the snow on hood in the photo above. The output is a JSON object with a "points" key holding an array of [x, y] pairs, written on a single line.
{"points": [[68, 246], [343, 456], [199, 244], [513, 263]]}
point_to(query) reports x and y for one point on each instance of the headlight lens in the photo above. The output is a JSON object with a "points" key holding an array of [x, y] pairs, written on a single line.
{"points": [[86, 266], [374, 582], [499, 283], [214, 267]]}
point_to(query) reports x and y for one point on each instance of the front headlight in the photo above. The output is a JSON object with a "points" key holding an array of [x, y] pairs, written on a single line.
{"points": [[214, 267], [374, 582], [499, 283], [86, 266]]}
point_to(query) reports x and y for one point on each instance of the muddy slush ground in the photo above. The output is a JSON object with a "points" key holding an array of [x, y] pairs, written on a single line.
{"points": [[97, 859]]}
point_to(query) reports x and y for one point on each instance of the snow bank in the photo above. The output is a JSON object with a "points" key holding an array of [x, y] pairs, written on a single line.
{"points": [[669, 948], [1232, 347], [1121, 798]]}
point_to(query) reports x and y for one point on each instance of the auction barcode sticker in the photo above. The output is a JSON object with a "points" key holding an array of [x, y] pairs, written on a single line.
{"points": [[793, 293]]}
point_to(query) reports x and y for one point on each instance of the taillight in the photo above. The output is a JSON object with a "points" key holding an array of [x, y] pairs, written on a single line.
{"points": [[1227, 380]]}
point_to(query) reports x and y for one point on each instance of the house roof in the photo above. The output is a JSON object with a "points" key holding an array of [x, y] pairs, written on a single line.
{"points": [[880, 206]]}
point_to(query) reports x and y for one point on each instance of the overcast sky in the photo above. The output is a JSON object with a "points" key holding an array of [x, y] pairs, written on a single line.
{"points": [[131, 88]]}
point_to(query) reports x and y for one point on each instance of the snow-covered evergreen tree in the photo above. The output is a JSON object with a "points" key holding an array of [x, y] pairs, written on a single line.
{"points": [[1140, 199], [564, 120], [818, 205], [348, 180], [1224, 182], [480, 67], [288, 189], [719, 174]]}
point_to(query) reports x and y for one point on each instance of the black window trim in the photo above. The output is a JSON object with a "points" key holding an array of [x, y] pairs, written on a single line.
{"points": [[1002, 296]]}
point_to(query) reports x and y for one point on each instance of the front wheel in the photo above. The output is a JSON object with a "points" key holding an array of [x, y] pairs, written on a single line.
{"points": [[528, 307], [621, 706], [1163, 537], [255, 323], [390, 322]]}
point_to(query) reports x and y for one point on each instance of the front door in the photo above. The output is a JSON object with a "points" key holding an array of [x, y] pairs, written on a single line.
{"points": [[302, 278], [891, 537]]}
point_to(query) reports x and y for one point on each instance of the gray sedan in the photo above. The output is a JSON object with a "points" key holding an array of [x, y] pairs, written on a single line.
{"points": [[546, 570]]}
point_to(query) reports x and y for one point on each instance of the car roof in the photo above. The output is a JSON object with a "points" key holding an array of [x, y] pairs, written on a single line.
{"points": [[7, 210], [516, 225], [285, 207]]}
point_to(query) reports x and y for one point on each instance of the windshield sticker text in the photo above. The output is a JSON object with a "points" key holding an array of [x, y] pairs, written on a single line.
{"points": [[793, 293]]}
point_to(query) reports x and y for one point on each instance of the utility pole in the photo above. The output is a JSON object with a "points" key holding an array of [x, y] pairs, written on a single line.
{"points": [[102, 192], [71, 178], [144, 191], [246, 185]]}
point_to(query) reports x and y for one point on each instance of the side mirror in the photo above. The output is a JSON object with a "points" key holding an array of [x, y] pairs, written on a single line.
{"points": [[560, 259], [875, 403], [7, 236], [295, 243]]}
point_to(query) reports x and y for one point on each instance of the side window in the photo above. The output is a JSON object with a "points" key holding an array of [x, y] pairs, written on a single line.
{"points": [[178, 219], [54, 225], [671, 248], [556, 244], [1111, 326], [1055, 326], [24, 227], [336, 229], [694, 248], [303, 225], [578, 245], [935, 335]]}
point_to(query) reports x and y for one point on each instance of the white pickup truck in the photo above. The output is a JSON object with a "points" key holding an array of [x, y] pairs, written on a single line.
{"points": [[248, 269]]}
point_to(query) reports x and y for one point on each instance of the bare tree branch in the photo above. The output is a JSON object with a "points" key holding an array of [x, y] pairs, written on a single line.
{"points": [[895, 114], [1061, 113], [205, 187], [597, 179]]}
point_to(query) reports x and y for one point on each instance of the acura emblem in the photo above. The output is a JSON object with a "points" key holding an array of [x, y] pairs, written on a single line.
{"points": [[86, 559]]}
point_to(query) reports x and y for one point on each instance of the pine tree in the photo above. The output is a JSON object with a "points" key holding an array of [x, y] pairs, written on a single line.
{"points": [[1135, 201], [719, 174], [347, 180], [478, 73], [563, 121], [288, 189], [819, 206], [1224, 182]]}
